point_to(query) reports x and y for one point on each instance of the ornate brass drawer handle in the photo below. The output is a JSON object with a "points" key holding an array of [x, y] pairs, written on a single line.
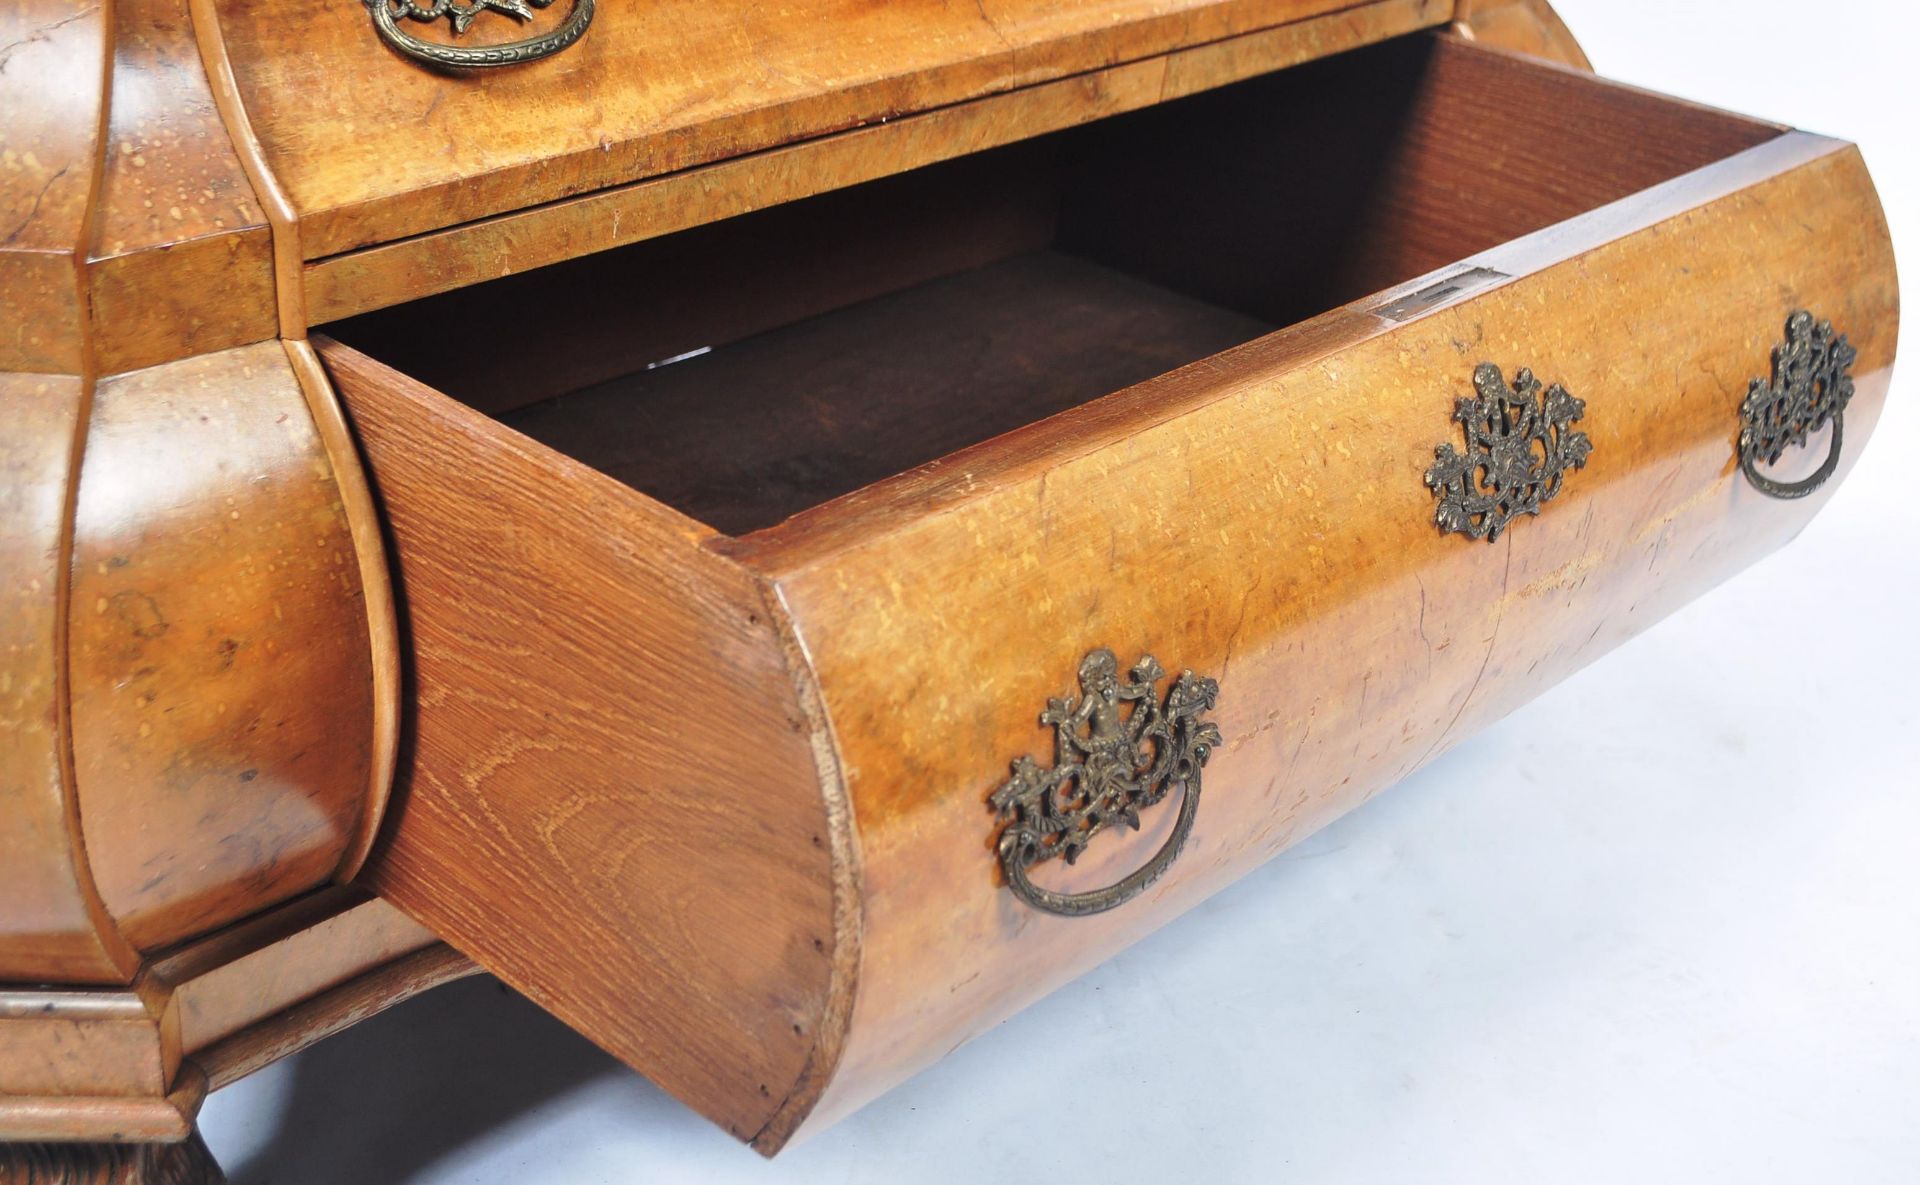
{"points": [[1520, 443], [1812, 384], [1106, 770], [387, 15]]}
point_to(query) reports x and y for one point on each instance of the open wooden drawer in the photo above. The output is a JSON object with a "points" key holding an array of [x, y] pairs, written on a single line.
{"points": [[739, 566]]}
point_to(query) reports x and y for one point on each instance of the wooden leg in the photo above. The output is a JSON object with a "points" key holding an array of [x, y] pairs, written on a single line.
{"points": [[186, 1163]]}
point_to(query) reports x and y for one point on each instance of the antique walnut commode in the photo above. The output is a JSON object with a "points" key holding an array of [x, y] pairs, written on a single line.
{"points": [[752, 522]]}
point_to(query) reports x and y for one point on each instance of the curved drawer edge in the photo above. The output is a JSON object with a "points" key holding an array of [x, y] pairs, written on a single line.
{"points": [[1237, 519]]}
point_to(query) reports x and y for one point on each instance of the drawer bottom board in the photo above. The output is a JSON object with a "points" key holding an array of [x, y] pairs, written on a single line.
{"points": [[844, 399]]}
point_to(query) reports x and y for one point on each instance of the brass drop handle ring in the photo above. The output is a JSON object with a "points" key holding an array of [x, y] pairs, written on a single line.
{"points": [[1108, 766], [1811, 386], [387, 15], [1749, 465], [1020, 848]]}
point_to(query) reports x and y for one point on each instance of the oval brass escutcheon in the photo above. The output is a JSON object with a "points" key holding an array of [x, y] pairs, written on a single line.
{"points": [[387, 15], [1811, 385], [1109, 764]]}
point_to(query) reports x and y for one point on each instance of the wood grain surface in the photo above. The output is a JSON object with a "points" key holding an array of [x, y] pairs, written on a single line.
{"points": [[315, 1018], [222, 682], [180, 747], [399, 269], [1398, 187], [366, 533], [1255, 519], [49, 176], [649, 91], [249, 975], [842, 400], [128, 235], [1258, 516], [601, 706], [180, 262], [187, 731], [102, 1043], [720, 281], [1418, 153], [53, 927], [132, 1064], [697, 753]]}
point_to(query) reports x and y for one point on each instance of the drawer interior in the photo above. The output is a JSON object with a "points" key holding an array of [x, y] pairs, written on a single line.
{"points": [[748, 370]]}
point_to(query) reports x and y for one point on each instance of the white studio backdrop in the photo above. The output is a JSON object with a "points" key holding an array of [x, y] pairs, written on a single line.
{"points": [[1662, 925]]}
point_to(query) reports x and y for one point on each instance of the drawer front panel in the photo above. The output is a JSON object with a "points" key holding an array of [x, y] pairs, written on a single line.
{"points": [[1263, 519], [650, 89]]}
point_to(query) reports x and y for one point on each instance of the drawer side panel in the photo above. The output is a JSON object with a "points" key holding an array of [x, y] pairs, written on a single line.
{"points": [[609, 790]]}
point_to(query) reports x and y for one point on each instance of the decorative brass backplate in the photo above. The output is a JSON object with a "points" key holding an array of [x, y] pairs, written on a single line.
{"points": [[1106, 769], [387, 15], [1812, 384], [1520, 444]]}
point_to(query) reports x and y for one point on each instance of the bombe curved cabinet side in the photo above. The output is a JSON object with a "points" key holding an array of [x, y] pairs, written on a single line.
{"points": [[196, 719], [203, 639]]}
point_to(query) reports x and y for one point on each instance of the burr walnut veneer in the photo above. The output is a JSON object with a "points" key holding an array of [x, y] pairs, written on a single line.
{"points": [[754, 524]]}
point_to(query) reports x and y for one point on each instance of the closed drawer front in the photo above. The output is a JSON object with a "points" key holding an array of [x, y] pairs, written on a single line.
{"points": [[509, 111], [740, 575]]}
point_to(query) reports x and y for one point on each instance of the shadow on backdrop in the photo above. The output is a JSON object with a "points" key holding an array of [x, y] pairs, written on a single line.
{"points": [[384, 1100]]}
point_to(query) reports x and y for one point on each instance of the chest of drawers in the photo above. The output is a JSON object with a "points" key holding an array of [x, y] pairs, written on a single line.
{"points": [[759, 538]]}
